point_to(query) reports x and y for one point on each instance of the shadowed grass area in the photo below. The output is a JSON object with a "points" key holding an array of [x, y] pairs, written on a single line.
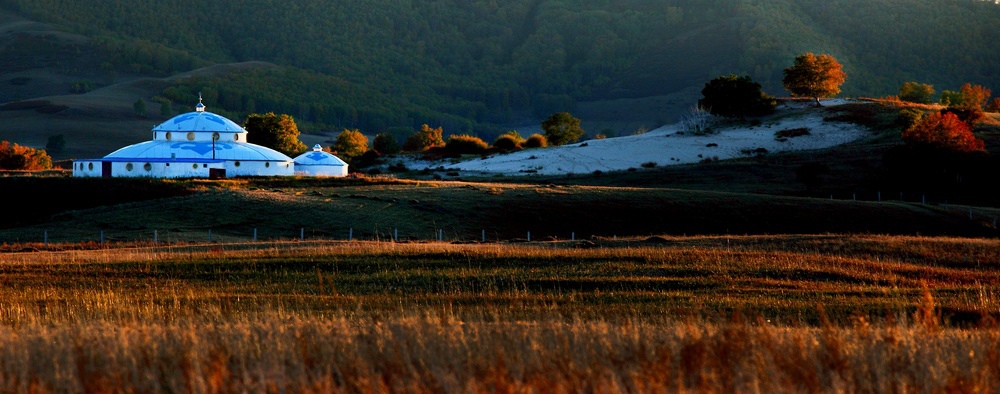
{"points": [[383, 209]]}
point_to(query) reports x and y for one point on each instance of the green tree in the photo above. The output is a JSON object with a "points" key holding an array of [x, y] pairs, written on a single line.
{"points": [[814, 76], [351, 143], [385, 143], [276, 132], [165, 108], [735, 96], [562, 128], [916, 92], [424, 139], [950, 98], [140, 107]]}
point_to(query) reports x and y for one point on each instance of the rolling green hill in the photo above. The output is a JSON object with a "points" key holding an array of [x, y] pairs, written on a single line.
{"points": [[480, 66]]}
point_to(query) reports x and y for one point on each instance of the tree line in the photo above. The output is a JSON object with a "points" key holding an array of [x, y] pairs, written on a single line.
{"points": [[480, 65]]}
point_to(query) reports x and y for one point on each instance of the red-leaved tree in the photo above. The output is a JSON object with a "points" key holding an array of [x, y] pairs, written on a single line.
{"points": [[943, 131]]}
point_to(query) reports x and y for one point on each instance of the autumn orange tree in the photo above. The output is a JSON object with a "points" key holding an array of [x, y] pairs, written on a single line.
{"points": [[974, 97], [814, 76], [943, 131], [17, 157]]}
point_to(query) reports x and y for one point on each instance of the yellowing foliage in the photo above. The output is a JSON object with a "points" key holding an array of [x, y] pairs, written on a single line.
{"points": [[17, 157], [351, 143]]}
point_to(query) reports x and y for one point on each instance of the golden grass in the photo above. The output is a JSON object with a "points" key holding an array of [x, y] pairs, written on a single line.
{"points": [[434, 351], [815, 313]]}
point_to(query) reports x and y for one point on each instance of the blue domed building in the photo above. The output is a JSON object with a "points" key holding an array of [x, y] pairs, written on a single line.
{"points": [[197, 144], [319, 163]]}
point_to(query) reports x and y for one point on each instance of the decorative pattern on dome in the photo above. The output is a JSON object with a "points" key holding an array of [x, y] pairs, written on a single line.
{"points": [[201, 148]]}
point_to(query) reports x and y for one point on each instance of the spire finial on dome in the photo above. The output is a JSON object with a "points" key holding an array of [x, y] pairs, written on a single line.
{"points": [[200, 107], [317, 148]]}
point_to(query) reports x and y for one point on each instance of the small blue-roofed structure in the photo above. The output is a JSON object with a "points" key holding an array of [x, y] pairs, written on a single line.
{"points": [[319, 163]]}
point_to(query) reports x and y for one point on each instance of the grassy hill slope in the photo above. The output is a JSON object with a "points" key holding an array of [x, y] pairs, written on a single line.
{"points": [[330, 209]]}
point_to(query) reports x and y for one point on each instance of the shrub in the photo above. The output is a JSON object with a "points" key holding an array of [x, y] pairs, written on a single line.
{"points": [[17, 157], [943, 131], [649, 164], [994, 105], [908, 117], [536, 141], [465, 144], [735, 96], [506, 143], [351, 143], [970, 116], [424, 139], [510, 140], [385, 143], [916, 92], [789, 133]]}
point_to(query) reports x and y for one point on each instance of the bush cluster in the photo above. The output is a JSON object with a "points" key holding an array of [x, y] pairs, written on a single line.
{"points": [[424, 139], [465, 144], [17, 157], [510, 140], [536, 141]]}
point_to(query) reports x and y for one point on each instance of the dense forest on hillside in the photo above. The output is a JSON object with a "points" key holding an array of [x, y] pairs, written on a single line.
{"points": [[477, 66]]}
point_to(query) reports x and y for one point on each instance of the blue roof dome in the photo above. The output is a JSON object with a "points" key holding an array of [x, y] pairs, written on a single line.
{"points": [[200, 121], [196, 151], [317, 157]]}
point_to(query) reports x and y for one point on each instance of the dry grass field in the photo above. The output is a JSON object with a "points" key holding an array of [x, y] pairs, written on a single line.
{"points": [[816, 313]]}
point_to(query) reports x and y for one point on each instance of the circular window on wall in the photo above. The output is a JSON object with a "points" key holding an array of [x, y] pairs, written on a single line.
{"points": [[128, 167], [215, 136], [267, 164], [168, 136], [236, 137], [195, 166], [148, 167], [90, 166], [237, 164], [190, 136]]}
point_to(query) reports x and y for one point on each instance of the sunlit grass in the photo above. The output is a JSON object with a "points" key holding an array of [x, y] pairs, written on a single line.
{"points": [[748, 313]]}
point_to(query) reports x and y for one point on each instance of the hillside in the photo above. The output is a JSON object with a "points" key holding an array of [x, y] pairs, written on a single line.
{"points": [[480, 67]]}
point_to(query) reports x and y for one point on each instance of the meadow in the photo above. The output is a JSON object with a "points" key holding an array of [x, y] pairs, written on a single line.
{"points": [[755, 313]]}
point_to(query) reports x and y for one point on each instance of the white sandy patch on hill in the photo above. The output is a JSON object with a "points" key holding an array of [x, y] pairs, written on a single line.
{"points": [[665, 146]]}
